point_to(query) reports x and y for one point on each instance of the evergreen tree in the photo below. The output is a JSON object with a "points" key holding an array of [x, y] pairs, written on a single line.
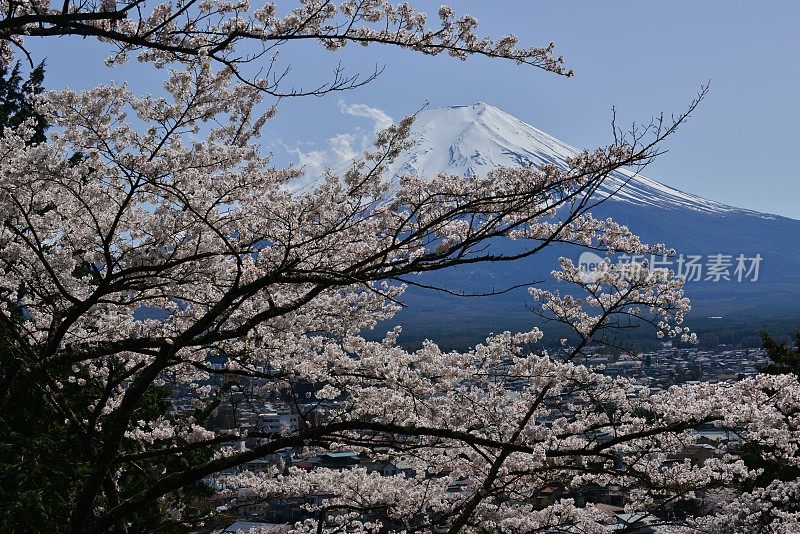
{"points": [[15, 99], [785, 359]]}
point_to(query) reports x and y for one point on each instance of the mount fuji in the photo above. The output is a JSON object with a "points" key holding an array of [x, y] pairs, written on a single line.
{"points": [[471, 140]]}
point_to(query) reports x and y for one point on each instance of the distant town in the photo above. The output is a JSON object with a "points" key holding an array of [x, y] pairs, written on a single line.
{"points": [[237, 510]]}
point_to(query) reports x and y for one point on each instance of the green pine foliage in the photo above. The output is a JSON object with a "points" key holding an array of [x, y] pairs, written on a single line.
{"points": [[15, 99], [785, 359]]}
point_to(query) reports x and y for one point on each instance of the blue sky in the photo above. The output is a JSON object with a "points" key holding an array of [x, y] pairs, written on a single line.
{"points": [[740, 147]]}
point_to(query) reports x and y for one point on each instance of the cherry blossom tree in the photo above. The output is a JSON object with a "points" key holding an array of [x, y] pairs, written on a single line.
{"points": [[233, 35], [149, 248]]}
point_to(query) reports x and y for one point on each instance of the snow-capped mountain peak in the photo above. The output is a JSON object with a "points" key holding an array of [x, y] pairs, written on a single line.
{"points": [[473, 139]]}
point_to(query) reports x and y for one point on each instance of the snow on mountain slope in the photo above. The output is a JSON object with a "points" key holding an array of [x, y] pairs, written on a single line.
{"points": [[471, 140]]}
